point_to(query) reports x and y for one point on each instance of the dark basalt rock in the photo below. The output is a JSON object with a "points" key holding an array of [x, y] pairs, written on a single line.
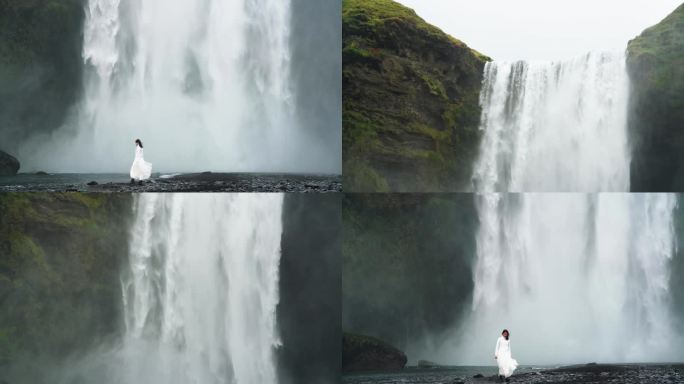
{"points": [[427, 364], [365, 353], [410, 101], [196, 182], [9, 165]]}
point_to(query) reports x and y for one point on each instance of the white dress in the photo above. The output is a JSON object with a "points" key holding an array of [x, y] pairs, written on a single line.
{"points": [[140, 170], [503, 357]]}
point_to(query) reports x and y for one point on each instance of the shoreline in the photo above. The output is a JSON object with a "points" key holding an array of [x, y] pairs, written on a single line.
{"points": [[174, 182], [570, 374]]}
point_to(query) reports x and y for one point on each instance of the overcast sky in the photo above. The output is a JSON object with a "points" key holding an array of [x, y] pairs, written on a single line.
{"points": [[543, 29]]}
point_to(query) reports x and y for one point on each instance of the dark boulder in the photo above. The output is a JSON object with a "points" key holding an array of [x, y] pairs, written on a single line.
{"points": [[365, 353], [427, 364], [9, 165]]}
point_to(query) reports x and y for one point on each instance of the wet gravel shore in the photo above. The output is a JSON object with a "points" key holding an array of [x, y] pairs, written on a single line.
{"points": [[194, 182], [590, 373]]}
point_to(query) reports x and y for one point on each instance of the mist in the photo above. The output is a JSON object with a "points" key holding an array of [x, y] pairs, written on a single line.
{"points": [[576, 278], [215, 287], [205, 86]]}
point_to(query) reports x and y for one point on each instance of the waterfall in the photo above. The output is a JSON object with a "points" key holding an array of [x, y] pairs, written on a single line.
{"points": [[201, 289], [575, 277], [554, 126], [204, 83]]}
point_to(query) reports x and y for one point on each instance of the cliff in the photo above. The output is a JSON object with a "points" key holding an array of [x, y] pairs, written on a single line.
{"points": [[309, 309], [59, 272], [656, 124], [40, 65], [406, 264], [410, 101]]}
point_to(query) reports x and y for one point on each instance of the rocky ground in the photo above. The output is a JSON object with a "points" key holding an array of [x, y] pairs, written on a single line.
{"points": [[194, 182], [590, 373]]}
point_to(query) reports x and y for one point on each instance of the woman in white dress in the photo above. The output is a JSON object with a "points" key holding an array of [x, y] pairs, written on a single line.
{"points": [[140, 170], [502, 354]]}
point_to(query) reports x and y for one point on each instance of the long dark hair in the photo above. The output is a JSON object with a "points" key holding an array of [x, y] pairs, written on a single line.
{"points": [[505, 333], [137, 141]]}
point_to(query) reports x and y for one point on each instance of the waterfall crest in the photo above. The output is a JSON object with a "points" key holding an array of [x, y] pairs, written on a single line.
{"points": [[201, 289], [575, 277], [554, 126]]}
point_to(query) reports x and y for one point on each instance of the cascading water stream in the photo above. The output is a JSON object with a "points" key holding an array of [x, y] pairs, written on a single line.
{"points": [[554, 126], [205, 84], [201, 290], [575, 277]]}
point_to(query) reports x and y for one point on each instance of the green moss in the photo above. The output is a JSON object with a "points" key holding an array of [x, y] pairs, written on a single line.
{"points": [[435, 86], [410, 101], [59, 263], [659, 52], [365, 178]]}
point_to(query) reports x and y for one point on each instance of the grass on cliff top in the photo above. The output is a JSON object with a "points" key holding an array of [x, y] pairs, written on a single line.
{"points": [[659, 53], [376, 12], [660, 38]]}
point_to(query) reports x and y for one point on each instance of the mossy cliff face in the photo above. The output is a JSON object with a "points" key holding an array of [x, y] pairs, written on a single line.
{"points": [[410, 101], [656, 69], [406, 264], [40, 65], [59, 265]]}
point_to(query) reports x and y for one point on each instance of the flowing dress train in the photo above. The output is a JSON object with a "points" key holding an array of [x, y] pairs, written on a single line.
{"points": [[504, 360]]}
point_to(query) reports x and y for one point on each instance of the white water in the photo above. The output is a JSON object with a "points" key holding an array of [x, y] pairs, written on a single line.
{"points": [[554, 126], [201, 290], [205, 84], [574, 277]]}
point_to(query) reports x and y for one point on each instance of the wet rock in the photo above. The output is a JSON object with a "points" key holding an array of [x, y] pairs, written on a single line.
{"points": [[41, 173], [478, 376], [427, 364], [214, 182], [93, 183], [9, 165], [365, 353]]}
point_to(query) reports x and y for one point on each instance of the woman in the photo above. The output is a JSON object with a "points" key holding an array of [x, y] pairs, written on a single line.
{"points": [[140, 170], [502, 354]]}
